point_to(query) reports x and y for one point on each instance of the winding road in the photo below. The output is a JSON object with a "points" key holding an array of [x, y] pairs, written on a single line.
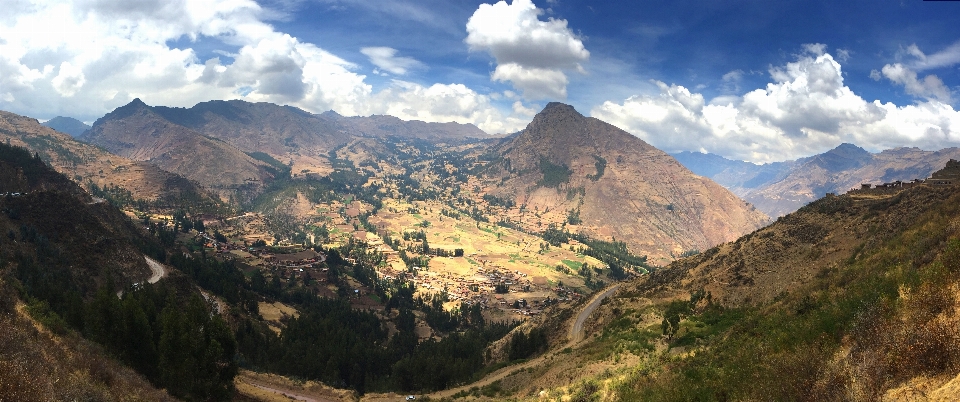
{"points": [[158, 270], [576, 330], [574, 336]]}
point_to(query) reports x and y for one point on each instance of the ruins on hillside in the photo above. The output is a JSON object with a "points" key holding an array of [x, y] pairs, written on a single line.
{"points": [[948, 176]]}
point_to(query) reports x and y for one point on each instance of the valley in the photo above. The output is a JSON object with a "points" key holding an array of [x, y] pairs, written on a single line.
{"points": [[398, 258]]}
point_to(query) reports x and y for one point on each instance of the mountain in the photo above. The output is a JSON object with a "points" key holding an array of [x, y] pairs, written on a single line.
{"points": [[137, 132], [67, 125], [607, 183], [293, 135], [87, 164], [285, 134], [387, 126], [783, 187], [851, 297]]}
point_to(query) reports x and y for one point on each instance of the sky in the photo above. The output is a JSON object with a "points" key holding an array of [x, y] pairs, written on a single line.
{"points": [[750, 80]]}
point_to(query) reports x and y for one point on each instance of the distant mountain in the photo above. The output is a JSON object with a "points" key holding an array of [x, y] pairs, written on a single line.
{"points": [[86, 164], [783, 187], [138, 132], [386, 126], [300, 139], [67, 125], [619, 186]]}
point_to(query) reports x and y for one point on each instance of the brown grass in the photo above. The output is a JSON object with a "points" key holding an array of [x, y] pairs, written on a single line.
{"points": [[36, 365]]}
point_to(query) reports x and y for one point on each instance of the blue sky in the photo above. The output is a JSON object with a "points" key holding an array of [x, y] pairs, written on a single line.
{"points": [[751, 80]]}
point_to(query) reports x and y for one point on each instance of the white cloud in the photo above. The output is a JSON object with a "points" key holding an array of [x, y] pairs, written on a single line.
{"points": [[531, 54], [807, 109], [945, 58], [385, 58], [69, 80], [843, 55], [85, 58], [930, 87], [444, 102], [536, 83]]}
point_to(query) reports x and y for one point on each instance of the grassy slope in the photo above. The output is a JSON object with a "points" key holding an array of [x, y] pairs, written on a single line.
{"points": [[37, 365], [877, 316]]}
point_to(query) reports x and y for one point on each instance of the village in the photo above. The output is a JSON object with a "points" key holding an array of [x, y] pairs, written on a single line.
{"points": [[504, 277]]}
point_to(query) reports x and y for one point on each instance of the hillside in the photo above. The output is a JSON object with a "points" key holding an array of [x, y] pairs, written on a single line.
{"points": [[565, 168], [783, 187], [87, 164], [77, 265], [136, 132], [852, 297]]}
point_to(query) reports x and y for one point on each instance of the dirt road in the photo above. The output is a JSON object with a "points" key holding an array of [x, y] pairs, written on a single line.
{"points": [[158, 270]]}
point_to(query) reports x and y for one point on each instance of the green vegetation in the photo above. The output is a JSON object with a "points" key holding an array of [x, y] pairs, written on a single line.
{"points": [[498, 202], [277, 168], [601, 165], [615, 254], [573, 216], [574, 265], [553, 175]]}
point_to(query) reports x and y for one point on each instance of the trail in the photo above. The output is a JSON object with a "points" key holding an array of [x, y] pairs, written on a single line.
{"points": [[574, 336]]}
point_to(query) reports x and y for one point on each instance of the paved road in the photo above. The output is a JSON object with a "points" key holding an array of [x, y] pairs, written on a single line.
{"points": [[576, 330], [158, 270]]}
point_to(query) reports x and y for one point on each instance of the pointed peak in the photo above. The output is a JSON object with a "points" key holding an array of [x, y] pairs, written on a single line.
{"points": [[137, 102], [849, 150], [846, 146], [555, 107]]}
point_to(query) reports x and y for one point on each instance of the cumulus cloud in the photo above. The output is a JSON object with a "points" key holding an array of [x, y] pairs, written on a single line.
{"points": [[85, 58], [385, 58], [69, 80], [806, 109], [445, 102], [928, 87], [531, 54]]}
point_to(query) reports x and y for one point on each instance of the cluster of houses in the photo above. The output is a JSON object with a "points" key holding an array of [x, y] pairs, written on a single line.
{"points": [[481, 289]]}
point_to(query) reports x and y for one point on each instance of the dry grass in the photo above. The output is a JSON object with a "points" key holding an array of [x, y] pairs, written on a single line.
{"points": [[275, 388], [36, 365]]}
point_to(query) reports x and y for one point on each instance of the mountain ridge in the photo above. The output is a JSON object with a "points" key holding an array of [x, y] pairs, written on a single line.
{"points": [[782, 187]]}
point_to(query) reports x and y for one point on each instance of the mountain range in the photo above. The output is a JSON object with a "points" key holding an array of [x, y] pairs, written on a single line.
{"points": [[843, 297], [609, 183], [782, 187]]}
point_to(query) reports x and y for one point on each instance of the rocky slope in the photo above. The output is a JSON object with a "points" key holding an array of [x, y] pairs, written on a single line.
{"points": [[214, 132], [137, 132], [622, 187], [783, 187], [87, 164]]}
